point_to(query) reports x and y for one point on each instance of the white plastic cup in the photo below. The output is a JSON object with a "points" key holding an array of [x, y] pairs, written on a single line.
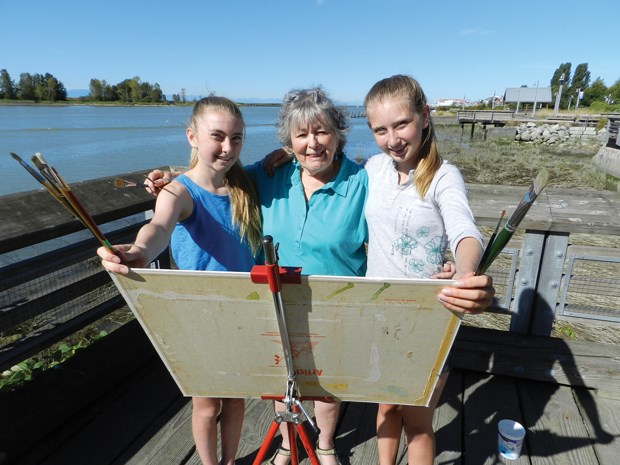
{"points": [[510, 439]]}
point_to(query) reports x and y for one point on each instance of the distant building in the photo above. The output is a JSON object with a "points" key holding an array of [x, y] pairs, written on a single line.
{"points": [[451, 102], [527, 95], [494, 101]]}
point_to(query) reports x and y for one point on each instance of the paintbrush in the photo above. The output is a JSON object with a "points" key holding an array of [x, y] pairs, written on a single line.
{"points": [[120, 182], [75, 206], [502, 238], [40, 178], [487, 250], [55, 185]]}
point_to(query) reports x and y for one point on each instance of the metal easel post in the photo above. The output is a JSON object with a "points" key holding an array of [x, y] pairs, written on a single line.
{"points": [[294, 413]]}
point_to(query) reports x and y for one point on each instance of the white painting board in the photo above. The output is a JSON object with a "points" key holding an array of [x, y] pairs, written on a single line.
{"points": [[353, 339]]}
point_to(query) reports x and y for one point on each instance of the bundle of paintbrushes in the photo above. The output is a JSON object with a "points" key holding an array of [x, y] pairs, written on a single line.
{"points": [[498, 241], [55, 185]]}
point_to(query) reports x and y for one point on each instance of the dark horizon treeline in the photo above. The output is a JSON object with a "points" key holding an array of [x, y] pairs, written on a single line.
{"points": [[35, 87], [45, 87]]}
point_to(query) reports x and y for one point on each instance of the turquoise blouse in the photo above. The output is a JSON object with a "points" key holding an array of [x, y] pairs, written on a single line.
{"points": [[326, 235]]}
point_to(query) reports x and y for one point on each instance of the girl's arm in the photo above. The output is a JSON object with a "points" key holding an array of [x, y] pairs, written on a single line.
{"points": [[173, 204], [467, 256], [470, 294]]}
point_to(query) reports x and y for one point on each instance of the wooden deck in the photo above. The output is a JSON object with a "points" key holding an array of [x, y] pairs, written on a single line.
{"points": [[115, 403]]}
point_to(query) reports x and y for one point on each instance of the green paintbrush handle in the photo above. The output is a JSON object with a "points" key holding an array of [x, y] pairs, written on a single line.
{"points": [[496, 247]]}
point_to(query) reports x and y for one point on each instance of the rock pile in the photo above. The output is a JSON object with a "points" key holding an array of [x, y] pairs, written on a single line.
{"points": [[556, 133]]}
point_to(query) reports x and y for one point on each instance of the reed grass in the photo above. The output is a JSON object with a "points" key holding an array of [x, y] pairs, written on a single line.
{"points": [[506, 162]]}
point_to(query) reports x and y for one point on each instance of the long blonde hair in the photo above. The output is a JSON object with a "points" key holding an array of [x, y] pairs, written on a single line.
{"points": [[241, 189], [409, 90]]}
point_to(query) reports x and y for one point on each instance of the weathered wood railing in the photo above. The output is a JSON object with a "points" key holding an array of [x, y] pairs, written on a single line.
{"points": [[47, 294], [51, 283], [485, 116]]}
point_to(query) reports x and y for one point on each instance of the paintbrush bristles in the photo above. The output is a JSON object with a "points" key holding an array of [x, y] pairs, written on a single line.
{"points": [[542, 179], [118, 182], [56, 186]]}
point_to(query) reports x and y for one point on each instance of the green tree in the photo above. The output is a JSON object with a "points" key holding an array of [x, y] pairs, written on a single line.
{"points": [[54, 90], [7, 86], [95, 90], [580, 81], [123, 91], [562, 70], [135, 92], [25, 87], [109, 92], [40, 87], [156, 94], [614, 92], [594, 93]]}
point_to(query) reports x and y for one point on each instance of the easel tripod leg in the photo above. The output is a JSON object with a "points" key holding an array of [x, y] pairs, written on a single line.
{"points": [[305, 440], [273, 429], [292, 441]]}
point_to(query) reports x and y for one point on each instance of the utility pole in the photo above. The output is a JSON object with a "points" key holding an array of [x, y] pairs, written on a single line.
{"points": [[558, 96], [535, 100], [577, 99]]}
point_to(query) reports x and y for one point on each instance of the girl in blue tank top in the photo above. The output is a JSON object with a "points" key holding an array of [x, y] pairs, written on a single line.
{"points": [[211, 218]]}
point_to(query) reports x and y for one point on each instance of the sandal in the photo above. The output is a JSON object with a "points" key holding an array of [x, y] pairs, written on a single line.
{"points": [[282, 451], [320, 452]]}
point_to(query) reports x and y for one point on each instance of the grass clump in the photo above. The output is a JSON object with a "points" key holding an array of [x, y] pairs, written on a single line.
{"points": [[507, 162]]}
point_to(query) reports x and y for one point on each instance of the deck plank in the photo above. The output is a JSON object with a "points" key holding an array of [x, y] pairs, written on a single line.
{"points": [[355, 435], [487, 400], [120, 422], [259, 414], [556, 433], [602, 418], [447, 421], [166, 441]]}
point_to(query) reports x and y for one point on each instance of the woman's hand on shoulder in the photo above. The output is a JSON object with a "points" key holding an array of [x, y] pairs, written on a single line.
{"points": [[274, 160], [469, 294], [157, 180]]}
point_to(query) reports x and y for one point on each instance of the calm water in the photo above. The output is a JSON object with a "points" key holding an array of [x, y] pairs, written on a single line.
{"points": [[87, 142]]}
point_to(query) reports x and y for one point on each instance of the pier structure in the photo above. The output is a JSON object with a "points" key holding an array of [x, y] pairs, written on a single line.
{"points": [[115, 403]]}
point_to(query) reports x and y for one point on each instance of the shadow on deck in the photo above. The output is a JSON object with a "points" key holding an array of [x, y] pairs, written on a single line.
{"points": [[115, 403]]}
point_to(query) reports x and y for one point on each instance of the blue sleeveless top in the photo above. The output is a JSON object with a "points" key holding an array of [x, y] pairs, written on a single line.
{"points": [[207, 239]]}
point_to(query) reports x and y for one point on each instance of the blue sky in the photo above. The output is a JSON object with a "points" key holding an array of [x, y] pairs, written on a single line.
{"points": [[261, 48]]}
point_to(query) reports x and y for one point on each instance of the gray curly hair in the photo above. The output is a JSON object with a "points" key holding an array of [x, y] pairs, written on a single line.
{"points": [[302, 107]]}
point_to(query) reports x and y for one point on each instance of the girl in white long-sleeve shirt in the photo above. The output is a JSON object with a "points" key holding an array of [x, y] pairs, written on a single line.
{"points": [[416, 206]]}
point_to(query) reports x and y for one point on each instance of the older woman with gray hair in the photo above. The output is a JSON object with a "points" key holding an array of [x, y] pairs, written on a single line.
{"points": [[314, 207]]}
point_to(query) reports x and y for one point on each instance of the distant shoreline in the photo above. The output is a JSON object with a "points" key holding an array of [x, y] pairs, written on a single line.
{"points": [[76, 102]]}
